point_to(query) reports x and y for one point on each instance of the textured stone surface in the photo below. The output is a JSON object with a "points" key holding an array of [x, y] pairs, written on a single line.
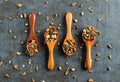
{"points": [[109, 27]]}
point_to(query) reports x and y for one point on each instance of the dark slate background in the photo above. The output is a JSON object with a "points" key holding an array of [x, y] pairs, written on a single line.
{"points": [[109, 27]]}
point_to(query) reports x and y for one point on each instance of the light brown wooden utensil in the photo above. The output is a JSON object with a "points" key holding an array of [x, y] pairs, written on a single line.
{"points": [[51, 46], [69, 34], [32, 36], [88, 61]]}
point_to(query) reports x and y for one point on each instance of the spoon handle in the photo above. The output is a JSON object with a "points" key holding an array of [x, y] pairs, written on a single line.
{"points": [[88, 58], [68, 22], [32, 22], [50, 59]]}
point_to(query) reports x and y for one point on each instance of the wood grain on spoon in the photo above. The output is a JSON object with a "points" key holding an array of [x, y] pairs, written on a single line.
{"points": [[32, 38], [51, 44], [69, 44]]}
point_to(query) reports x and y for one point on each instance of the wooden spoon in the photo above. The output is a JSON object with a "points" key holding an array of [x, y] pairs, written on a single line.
{"points": [[69, 36], [32, 34], [50, 45], [88, 43]]}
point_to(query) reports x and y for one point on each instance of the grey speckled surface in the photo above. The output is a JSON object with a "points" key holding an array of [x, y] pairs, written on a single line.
{"points": [[109, 27]]}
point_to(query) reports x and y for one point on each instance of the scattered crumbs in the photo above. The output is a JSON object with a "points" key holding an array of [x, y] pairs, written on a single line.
{"points": [[81, 5], [58, 28], [56, 15], [67, 71], [29, 61], [90, 71], [14, 37], [109, 68], [23, 73], [9, 61], [73, 3], [97, 59], [18, 53], [19, 5], [36, 68], [46, 2], [16, 67], [97, 43], [109, 46], [39, 13], [26, 24], [59, 68], [1, 62], [75, 20], [72, 69], [24, 15], [90, 9], [90, 80], [75, 27], [23, 65], [9, 30], [21, 42], [98, 54], [52, 23], [10, 18], [110, 57], [58, 43], [82, 13], [38, 31], [33, 80], [47, 18], [21, 16], [7, 75], [66, 63], [99, 19], [25, 31], [81, 45]]}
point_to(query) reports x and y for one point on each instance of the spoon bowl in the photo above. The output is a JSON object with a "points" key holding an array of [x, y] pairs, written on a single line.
{"points": [[51, 37]]}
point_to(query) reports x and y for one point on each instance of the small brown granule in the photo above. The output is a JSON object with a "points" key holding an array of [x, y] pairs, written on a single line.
{"points": [[99, 19], [33, 80], [56, 15], [58, 28], [23, 65], [98, 54], [73, 3], [81, 45], [109, 57], [23, 73], [80, 58], [67, 71], [82, 13], [19, 5], [0, 21], [58, 43], [25, 31], [26, 24], [72, 69], [97, 43], [90, 71], [10, 62], [38, 31], [76, 27], [97, 59], [52, 23], [16, 67], [5, 0], [10, 31], [21, 16], [81, 5], [14, 37], [66, 63], [90, 9], [74, 77], [24, 15], [36, 68], [90, 80], [39, 13], [7, 75], [10, 18], [59, 68], [47, 18], [18, 53], [109, 68], [75, 20], [109, 46], [46, 2], [21, 42]]}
